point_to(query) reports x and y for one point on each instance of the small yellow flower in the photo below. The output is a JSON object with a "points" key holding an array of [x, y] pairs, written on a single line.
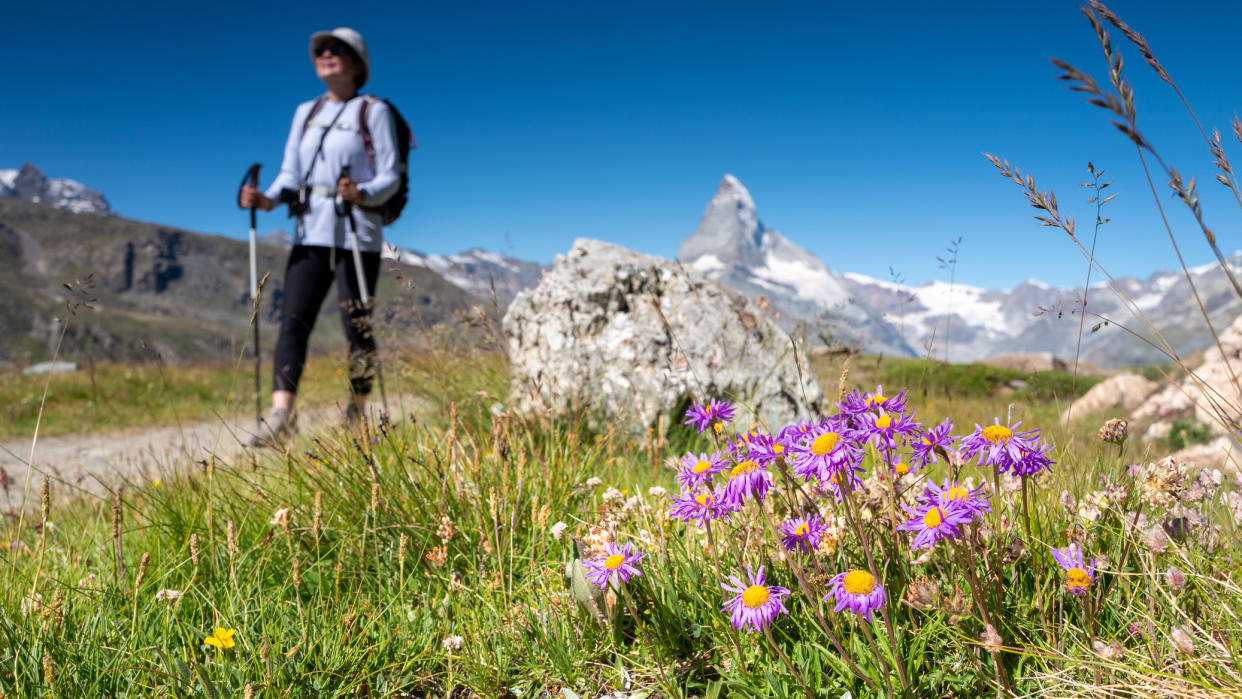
{"points": [[157, 482], [220, 638]]}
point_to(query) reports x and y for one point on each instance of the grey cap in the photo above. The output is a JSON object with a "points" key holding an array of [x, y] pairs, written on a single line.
{"points": [[350, 38]]}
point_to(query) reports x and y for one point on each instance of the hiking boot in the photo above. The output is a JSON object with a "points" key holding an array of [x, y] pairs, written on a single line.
{"points": [[277, 426]]}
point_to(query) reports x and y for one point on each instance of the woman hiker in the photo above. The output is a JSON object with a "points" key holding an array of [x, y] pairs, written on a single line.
{"points": [[324, 143]]}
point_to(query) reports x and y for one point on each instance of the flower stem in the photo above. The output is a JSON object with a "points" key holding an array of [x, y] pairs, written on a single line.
{"points": [[767, 632]]}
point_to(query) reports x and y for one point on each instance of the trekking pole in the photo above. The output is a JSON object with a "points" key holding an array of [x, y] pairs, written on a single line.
{"points": [[348, 208], [253, 176]]}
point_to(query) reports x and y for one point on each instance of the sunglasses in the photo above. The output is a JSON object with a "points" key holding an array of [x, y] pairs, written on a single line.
{"points": [[331, 50]]}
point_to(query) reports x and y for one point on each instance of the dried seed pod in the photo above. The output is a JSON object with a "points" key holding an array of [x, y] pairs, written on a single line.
{"points": [[194, 549], [1114, 431]]}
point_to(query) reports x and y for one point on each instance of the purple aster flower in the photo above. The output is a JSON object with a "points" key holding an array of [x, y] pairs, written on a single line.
{"points": [[765, 449], [753, 606], [988, 444], [803, 533], [890, 404], [899, 465], [697, 471], [884, 428], [955, 495], [827, 450], [844, 481], [701, 507], [857, 591], [924, 447], [794, 432], [1078, 575], [853, 403], [932, 523], [618, 565], [1032, 461], [746, 480], [715, 414]]}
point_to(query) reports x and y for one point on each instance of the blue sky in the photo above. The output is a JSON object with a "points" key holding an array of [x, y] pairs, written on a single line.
{"points": [[857, 127]]}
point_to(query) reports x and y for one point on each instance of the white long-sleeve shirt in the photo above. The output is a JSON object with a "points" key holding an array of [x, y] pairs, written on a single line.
{"points": [[343, 146]]}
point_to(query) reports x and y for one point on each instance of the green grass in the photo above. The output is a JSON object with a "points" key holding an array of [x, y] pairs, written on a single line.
{"points": [[441, 527], [110, 397]]}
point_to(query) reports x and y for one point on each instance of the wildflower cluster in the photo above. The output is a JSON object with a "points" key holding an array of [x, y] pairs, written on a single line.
{"points": [[861, 465]]}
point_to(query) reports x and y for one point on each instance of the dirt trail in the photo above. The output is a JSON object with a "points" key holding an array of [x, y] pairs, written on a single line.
{"points": [[90, 464]]}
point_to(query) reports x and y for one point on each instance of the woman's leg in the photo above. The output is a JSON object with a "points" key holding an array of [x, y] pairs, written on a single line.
{"points": [[357, 319], [307, 279]]}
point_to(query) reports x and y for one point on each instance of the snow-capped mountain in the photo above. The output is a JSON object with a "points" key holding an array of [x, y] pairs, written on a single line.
{"points": [[477, 271], [30, 184], [732, 246]]}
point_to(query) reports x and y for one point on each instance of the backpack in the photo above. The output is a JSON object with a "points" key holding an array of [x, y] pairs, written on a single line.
{"points": [[390, 210]]}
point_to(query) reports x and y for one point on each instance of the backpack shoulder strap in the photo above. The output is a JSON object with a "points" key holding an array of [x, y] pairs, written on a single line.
{"points": [[313, 111], [364, 129]]}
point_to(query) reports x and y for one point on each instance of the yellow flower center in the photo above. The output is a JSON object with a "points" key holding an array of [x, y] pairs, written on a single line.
{"points": [[996, 434], [858, 582], [1077, 578], [926, 442], [957, 493], [933, 518], [755, 596], [702, 466], [884, 421], [614, 561], [825, 443], [802, 530], [703, 500], [778, 448], [742, 469], [902, 468], [876, 399], [718, 426]]}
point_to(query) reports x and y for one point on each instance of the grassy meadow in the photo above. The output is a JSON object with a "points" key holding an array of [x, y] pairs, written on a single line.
{"points": [[452, 554], [428, 558]]}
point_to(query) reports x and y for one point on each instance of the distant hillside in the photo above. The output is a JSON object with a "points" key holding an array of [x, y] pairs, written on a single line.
{"points": [[161, 289]]}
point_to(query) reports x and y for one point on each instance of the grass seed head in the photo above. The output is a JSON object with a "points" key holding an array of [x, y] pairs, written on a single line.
{"points": [[45, 499], [142, 569]]}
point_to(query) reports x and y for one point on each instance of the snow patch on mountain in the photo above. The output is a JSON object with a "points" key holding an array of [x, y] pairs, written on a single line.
{"points": [[32, 185], [476, 271]]}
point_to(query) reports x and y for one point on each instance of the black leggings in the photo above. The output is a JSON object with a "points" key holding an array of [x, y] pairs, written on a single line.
{"points": [[308, 276]]}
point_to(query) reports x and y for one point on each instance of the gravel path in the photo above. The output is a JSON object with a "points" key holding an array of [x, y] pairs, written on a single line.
{"points": [[91, 464]]}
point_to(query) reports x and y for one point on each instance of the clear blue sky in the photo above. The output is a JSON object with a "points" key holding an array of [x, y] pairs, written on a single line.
{"points": [[857, 127]]}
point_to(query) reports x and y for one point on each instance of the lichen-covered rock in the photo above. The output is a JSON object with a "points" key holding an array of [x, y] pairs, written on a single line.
{"points": [[1210, 392], [633, 336], [1123, 391]]}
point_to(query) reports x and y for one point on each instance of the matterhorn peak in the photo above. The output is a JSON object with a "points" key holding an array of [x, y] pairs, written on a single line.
{"points": [[730, 230]]}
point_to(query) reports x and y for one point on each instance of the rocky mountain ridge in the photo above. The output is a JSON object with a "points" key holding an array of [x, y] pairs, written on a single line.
{"points": [[159, 290], [32, 185], [732, 246], [962, 322]]}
